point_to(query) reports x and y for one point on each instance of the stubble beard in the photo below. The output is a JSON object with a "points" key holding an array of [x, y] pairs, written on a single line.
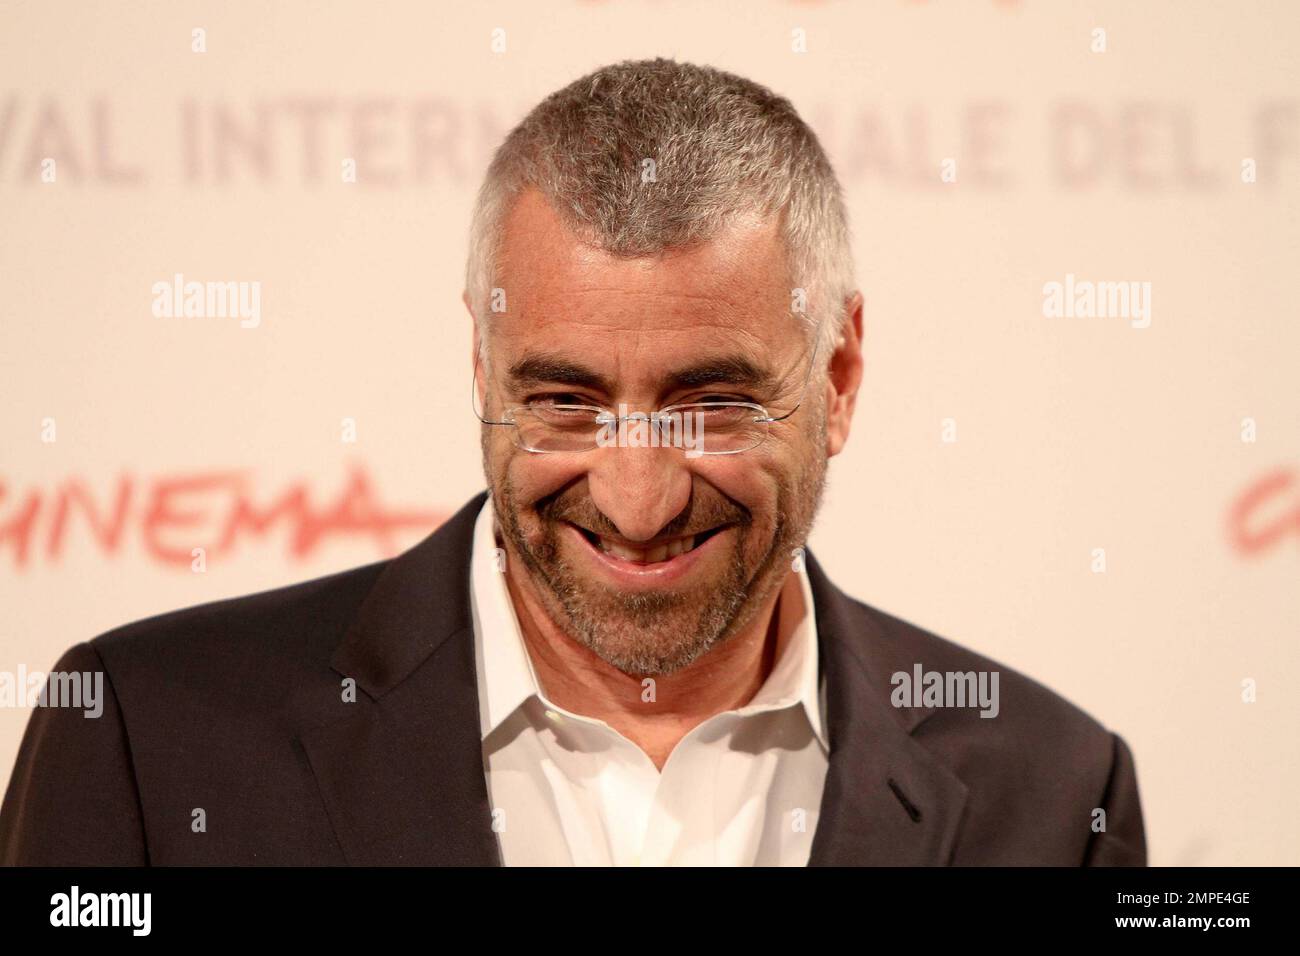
{"points": [[655, 633]]}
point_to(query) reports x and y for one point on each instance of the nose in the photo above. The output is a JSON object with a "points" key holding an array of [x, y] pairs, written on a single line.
{"points": [[639, 489]]}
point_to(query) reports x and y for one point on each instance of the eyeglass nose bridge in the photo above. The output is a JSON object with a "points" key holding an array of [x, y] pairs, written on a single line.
{"points": [[653, 418], [612, 424], [671, 420]]}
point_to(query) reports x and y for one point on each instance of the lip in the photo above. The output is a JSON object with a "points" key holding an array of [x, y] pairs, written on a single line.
{"points": [[659, 574]]}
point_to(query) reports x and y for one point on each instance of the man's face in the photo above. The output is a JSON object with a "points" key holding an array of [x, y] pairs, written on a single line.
{"points": [[642, 554]]}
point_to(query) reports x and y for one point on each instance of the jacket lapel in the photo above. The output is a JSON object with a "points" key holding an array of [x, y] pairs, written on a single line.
{"points": [[401, 770], [887, 800]]}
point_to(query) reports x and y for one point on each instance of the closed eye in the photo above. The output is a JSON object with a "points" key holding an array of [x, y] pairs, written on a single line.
{"points": [[705, 399], [559, 398]]}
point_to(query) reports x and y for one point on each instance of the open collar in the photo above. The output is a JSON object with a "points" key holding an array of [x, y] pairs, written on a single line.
{"points": [[401, 769]]}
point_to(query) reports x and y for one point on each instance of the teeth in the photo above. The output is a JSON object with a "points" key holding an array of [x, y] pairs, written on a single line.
{"points": [[647, 555], [627, 554], [680, 546]]}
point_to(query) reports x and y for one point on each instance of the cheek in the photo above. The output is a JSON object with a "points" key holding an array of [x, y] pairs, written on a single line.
{"points": [[774, 481], [753, 481], [533, 477], [798, 455]]}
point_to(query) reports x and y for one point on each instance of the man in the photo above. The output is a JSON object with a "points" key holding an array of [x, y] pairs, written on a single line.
{"points": [[622, 654]]}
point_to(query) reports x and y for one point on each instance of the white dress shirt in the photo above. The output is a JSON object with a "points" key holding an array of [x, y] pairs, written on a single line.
{"points": [[742, 788]]}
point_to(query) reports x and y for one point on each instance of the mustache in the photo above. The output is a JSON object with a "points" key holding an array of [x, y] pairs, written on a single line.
{"points": [[697, 517]]}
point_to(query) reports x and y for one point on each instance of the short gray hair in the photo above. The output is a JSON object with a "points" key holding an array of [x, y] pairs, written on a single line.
{"points": [[722, 146]]}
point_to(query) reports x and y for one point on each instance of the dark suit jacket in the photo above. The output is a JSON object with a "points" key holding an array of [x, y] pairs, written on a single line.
{"points": [[236, 708]]}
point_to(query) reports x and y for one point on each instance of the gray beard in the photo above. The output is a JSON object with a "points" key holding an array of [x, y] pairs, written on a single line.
{"points": [[657, 633]]}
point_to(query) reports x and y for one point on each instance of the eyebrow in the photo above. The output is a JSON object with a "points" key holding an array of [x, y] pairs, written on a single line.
{"points": [[554, 370], [733, 370]]}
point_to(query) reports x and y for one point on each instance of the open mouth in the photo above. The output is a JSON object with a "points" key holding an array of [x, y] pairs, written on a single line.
{"points": [[655, 553]]}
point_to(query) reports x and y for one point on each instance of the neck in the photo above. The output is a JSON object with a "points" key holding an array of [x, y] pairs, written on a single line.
{"points": [[726, 677]]}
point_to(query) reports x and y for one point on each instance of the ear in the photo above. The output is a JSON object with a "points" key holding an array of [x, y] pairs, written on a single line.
{"points": [[844, 377]]}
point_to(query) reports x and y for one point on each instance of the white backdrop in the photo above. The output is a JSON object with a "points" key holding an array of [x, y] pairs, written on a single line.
{"points": [[1072, 434]]}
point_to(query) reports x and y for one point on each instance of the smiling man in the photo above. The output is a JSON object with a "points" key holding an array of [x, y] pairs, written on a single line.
{"points": [[622, 653]]}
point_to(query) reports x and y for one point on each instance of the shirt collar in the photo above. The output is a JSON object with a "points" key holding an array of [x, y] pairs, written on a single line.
{"points": [[794, 679], [506, 677]]}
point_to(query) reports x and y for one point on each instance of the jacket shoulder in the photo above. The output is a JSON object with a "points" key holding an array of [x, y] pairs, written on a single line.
{"points": [[246, 618], [1038, 768], [255, 644], [1021, 714], [195, 707]]}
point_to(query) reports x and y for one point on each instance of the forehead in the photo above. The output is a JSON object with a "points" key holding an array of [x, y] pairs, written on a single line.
{"points": [[729, 294]]}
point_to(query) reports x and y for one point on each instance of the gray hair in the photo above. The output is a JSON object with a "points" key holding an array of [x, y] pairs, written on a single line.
{"points": [[722, 147]]}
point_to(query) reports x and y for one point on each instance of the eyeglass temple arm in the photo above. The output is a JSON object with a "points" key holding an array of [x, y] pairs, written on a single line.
{"points": [[473, 397], [812, 364]]}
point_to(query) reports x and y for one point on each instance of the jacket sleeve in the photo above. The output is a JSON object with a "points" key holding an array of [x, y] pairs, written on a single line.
{"points": [[1123, 842], [73, 799]]}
